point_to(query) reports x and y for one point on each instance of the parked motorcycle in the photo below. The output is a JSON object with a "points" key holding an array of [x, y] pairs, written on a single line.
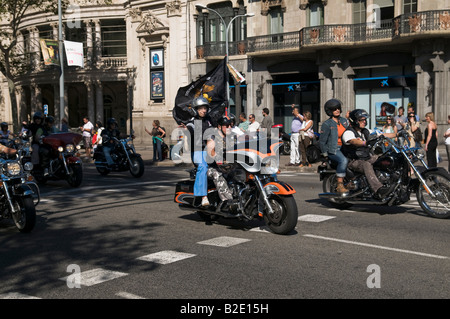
{"points": [[124, 156], [257, 192], [284, 138], [58, 159], [17, 192], [393, 167]]}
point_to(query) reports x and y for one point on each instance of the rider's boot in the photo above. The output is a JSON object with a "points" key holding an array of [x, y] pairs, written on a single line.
{"points": [[340, 189]]}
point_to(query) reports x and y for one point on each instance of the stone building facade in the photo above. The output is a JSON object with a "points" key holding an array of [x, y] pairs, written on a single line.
{"points": [[303, 52]]}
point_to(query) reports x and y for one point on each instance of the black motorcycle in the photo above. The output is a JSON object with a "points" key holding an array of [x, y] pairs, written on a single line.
{"points": [[393, 168], [124, 156], [17, 194]]}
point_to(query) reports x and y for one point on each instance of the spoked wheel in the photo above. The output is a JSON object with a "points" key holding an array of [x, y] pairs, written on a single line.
{"points": [[25, 215], [438, 206], [285, 215], [329, 186]]}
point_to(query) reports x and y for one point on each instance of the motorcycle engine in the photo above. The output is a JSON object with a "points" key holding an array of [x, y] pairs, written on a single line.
{"points": [[384, 177]]}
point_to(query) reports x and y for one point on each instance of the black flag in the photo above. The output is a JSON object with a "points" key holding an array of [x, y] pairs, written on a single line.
{"points": [[211, 86]]}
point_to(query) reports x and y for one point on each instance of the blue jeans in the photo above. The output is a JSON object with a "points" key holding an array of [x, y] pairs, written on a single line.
{"points": [[107, 152], [342, 162], [157, 150], [201, 179]]}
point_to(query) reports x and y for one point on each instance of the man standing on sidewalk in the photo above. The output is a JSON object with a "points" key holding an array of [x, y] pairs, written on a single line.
{"points": [[295, 129], [87, 135]]}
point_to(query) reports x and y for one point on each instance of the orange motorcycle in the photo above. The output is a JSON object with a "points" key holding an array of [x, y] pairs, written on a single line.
{"points": [[250, 173]]}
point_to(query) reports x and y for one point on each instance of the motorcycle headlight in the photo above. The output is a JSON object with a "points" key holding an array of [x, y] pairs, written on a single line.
{"points": [[130, 142], [13, 168], [270, 167], [70, 148], [60, 149], [28, 166]]}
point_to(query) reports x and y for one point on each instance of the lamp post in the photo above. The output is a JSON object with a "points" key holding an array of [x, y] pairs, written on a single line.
{"points": [[201, 6]]}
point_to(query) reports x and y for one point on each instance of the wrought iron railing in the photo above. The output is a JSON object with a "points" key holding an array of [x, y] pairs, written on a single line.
{"points": [[336, 34]]}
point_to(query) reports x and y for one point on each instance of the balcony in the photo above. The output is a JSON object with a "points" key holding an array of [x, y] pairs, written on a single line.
{"points": [[417, 24]]}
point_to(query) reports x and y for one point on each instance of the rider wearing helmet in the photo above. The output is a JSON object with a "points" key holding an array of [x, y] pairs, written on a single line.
{"points": [[197, 128], [34, 128], [5, 133], [108, 136], [331, 143], [355, 140]]}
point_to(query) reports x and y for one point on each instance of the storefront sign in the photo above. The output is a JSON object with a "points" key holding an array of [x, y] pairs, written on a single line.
{"points": [[383, 110], [50, 51], [384, 82]]}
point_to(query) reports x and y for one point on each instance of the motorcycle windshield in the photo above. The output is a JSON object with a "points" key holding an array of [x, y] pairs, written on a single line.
{"points": [[255, 153], [56, 140]]}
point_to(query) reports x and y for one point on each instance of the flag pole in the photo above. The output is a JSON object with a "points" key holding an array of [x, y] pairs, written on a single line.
{"points": [[61, 62]]}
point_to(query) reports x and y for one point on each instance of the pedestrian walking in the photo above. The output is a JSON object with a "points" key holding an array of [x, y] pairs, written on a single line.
{"points": [[296, 125], [97, 139], [87, 130], [157, 134], [431, 140], [306, 135]]}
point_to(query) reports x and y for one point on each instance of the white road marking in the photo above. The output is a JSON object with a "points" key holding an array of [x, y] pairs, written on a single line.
{"points": [[376, 246], [16, 295], [166, 257], [127, 295], [223, 241], [97, 276], [263, 229], [314, 218]]}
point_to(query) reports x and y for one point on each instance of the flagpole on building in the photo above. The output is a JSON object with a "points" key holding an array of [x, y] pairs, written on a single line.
{"points": [[61, 61]]}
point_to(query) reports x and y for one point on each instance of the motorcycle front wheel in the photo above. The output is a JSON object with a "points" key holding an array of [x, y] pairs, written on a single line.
{"points": [[285, 214], [137, 166], [25, 216], [75, 175], [439, 183]]}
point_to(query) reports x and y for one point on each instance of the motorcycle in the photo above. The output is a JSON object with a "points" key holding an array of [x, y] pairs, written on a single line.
{"points": [[58, 159], [17, 194], [257, 192], [284, 138], [124, 156], [393, 168]]}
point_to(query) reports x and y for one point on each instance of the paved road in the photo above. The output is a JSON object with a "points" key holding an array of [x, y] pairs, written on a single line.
{"points": [[126, 238]]}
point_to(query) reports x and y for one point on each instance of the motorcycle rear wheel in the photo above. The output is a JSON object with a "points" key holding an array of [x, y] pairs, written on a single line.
{"points": [[439, 184], [285, 214], [25, 218]]}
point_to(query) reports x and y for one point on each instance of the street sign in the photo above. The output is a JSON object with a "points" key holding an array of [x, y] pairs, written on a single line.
{"points": [[45, 109]]}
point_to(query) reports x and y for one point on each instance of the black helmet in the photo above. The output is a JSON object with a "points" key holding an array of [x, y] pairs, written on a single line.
{"points": [[332, 105], [38, 115], [200, 101], [49, 120], [224, 120], [110, 121], [356, 115], [232, 118], [4, 124]]}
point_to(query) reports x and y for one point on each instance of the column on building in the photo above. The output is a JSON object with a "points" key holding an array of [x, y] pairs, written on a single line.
{"points": [[90, 100], [97, 42], [89, 43], [99, 101]]}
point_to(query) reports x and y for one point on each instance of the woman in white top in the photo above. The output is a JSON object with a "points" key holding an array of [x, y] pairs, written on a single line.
{"points": [[447, 143], [306, 135]]}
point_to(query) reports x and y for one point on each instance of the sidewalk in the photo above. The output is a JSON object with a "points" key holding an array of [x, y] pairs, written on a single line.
{"points": [[146, 152]]}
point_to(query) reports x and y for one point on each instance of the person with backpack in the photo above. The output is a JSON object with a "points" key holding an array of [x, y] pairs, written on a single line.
{"points": [[157, 133]]}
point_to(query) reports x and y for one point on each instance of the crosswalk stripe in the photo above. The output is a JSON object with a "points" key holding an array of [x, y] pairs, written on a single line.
{"points": [[16, 295], [93, 277], [223, 241], [314, 218], [166, 257], [127, 295]]}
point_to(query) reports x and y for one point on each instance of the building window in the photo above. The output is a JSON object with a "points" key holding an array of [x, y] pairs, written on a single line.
{"points": [[210, 27], [383, 10], [359, 11], [316, 15], [114, 38], [409, 6], [275, 22]]}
